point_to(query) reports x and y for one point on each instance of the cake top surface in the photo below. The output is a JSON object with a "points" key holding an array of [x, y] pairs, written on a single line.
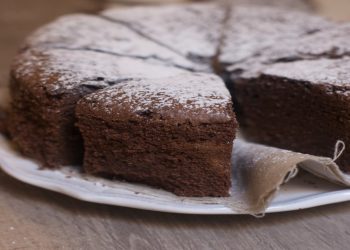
{"points": [[89, 32], [251, 30], [194, 30], [198, 94], [335, 72], [157, 42], [330, 42], [59, 70], [319, 57]]}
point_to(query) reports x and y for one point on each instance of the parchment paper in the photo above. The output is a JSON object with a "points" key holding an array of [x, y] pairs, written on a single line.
{"points": [[259, 171]]}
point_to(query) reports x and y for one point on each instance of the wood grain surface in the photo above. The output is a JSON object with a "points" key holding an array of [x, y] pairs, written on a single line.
{"points": [[31, 218]]}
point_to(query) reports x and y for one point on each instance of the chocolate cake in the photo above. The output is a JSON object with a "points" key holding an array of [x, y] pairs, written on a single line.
{"points": [[177, 136], [293, 95], [175, 133], [3, 128], [4, 103], [301, 106], [46, 85]]}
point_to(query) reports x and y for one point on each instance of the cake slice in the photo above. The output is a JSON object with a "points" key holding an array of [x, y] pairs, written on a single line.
{"points": [[46, 84], [302, 106], [175, 133], [192, 30], [293, 95]]}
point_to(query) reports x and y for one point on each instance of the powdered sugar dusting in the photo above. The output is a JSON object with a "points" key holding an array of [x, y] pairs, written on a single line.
{"points": [[62, 70], [322, 52], [191, 29], [94, 33], [326, 43], [189, 91], [321, 71], [255, 29]]}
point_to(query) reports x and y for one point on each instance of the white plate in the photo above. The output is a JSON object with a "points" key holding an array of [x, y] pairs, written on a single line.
{"points": [[302, 192]]}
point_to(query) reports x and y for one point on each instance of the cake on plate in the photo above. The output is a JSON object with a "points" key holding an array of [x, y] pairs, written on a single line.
{"points": [[294, 95], [175, 133], [140, 99]]}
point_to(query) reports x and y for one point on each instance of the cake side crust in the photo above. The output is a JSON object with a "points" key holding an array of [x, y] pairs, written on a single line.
{"points": [[164, 144], [301, 106]]}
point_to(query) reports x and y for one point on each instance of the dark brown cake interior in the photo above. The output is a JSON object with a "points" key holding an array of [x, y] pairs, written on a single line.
{"points": [[187, 160], [293, 114], [186, 151], [46, 122], [305, 113], [3, 126], [294, 95]]}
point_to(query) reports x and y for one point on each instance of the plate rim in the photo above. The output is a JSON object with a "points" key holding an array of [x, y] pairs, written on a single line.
{"points": [[315, 200]]}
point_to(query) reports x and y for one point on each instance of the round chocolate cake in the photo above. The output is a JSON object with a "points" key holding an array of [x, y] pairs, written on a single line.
{"points": [[135, 93]]}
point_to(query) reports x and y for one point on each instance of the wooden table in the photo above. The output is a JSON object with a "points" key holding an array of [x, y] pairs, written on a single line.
{"points": [[32, 218]]}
